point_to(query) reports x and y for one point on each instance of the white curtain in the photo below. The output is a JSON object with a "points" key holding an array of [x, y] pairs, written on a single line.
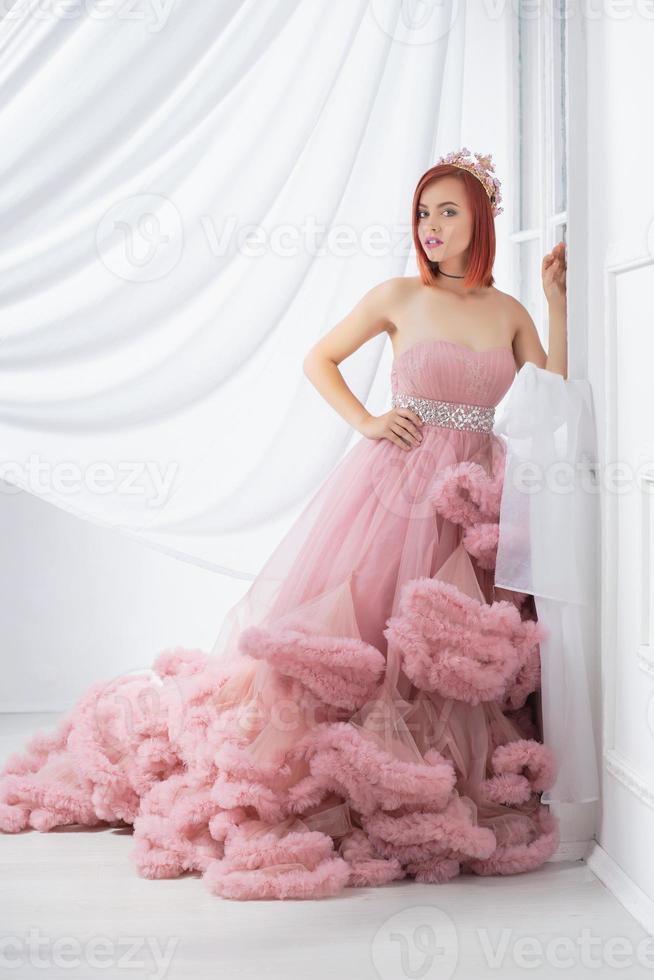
{"points": [[192, 194], [549, 529]]}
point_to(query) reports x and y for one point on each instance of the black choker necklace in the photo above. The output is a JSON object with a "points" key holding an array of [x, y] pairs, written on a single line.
{"points": [[441, 273]]}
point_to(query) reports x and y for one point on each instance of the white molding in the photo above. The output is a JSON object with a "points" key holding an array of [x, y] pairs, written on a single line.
{"points": [[615, 265], [512, 98], [618, 766], [621, 768], [571, 850], [577, 220], [645, 656], [627, 892]]}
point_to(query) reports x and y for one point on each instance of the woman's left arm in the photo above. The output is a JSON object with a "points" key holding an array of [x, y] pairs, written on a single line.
{"points": [[526, 342], [554, 268]]}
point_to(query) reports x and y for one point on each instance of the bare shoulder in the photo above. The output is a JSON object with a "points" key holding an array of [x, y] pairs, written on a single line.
{"points": [[390, 296], [395, 288], [372, 315], [406, 285], [399, 291]]}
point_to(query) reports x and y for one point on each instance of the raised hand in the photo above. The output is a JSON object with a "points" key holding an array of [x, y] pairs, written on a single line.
{"points": [[553, 271]]}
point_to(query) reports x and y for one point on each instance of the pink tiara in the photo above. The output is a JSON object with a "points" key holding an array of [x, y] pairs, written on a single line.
{"points": [[483, 169]]}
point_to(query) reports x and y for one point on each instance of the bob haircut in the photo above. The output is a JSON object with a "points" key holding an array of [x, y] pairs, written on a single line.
{"points": [[482, 242]]}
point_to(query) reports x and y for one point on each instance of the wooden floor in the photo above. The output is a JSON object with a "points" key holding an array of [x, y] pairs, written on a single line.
{"points": [[72, 905]]}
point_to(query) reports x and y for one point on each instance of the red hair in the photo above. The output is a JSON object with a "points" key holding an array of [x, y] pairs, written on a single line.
{"points": [[482, 242]]}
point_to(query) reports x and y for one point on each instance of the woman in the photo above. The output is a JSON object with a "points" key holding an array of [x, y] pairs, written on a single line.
{"points": [[369, 709]]}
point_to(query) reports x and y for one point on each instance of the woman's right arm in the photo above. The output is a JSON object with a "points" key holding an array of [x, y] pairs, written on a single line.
{"points": [[369, 318]]}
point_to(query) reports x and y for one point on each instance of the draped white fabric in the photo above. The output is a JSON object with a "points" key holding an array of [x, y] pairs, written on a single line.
{"points": [[549, 528], [192, 194]]}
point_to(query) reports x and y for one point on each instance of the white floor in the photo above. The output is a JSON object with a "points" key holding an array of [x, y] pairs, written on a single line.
{"points": [[73, 905]]}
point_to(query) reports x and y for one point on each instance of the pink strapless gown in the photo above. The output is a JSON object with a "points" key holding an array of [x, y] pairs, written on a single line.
{"points": [[370, 709]]}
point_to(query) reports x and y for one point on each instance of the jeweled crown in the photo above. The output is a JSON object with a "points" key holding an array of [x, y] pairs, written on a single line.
{"points": [[483, 169]]}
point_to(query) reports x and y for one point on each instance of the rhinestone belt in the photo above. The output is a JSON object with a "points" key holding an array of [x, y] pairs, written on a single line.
{"points": [[454, 415]]}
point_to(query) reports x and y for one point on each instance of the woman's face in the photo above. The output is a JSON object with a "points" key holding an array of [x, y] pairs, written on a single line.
{"points": [[444, 220]]}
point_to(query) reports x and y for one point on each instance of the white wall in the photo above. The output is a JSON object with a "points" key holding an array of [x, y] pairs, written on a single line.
{"points": [[621, 352], [81, 603]]}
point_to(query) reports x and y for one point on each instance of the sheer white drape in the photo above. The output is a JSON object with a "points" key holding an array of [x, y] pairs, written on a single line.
{"points": [[151, 352], [549, 529]]}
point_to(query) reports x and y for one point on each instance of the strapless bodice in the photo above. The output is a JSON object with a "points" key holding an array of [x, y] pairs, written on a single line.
{"points": [[453, 372]]}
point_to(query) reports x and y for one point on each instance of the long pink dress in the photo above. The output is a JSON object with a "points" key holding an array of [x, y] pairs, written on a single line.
{"points": [[370, 709]]}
